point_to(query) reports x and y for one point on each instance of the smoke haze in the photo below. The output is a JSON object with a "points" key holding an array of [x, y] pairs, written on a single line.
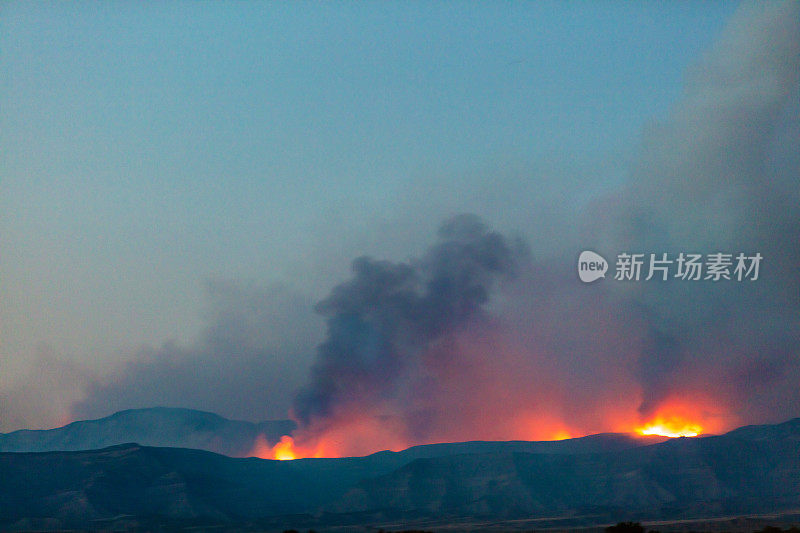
{"points": [[254, 349]]}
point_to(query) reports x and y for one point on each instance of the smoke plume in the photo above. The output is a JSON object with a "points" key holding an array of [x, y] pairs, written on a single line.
{"points": [[387, 324]]}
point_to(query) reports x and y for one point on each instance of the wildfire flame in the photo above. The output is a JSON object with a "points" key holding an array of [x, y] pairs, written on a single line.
{"points": [[362, 435], [674, 420], [560, 435], [671, 427], [287, 450], [284, 450]]}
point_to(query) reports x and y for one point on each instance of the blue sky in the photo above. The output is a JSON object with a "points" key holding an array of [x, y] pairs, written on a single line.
{"points": [[150, 147]]}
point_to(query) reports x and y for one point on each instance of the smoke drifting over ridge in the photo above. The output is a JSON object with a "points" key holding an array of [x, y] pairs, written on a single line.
{"points": [[244, 366]]}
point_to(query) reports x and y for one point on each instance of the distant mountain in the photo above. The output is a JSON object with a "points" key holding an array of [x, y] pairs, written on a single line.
{"points": [[785, 430], [746, 471], [158, 426]]}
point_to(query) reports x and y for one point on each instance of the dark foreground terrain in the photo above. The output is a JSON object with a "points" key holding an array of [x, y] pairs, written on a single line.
{"points": [[741, 481]]}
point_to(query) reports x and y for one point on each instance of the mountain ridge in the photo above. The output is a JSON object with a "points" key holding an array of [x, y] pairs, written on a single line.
{"points": [[153, 426], [148, 487]]}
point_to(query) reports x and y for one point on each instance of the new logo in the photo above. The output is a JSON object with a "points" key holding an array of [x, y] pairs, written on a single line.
{"points": [[591, 266]]}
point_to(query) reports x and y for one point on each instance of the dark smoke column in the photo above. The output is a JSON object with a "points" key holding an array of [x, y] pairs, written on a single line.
{"points": [[382, 320]]}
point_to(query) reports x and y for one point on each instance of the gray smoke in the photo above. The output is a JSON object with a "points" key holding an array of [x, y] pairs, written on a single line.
{"points": [[383, 320], [722, 175]]}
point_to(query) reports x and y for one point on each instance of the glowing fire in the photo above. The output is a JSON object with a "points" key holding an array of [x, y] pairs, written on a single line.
{"points": [[560, 435], [678, 418], [284, 450], [287, 449], [360, 434], [674, 426]]}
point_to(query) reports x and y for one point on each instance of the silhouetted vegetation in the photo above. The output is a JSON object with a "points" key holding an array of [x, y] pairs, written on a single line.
{"points": [[405, 531], [636, 527], [626, 527]]}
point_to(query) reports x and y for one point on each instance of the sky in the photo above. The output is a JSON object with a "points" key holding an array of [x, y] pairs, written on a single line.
{"points": [[182, 182]]}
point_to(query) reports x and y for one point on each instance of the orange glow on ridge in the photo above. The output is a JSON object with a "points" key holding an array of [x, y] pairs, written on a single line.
{"points": [[358, 434], [284, 450], [677, 418], [674, 426], [288, 449], [561, 435]]}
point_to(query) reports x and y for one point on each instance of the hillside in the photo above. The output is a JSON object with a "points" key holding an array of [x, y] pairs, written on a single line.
{"points": [[133, 486]]}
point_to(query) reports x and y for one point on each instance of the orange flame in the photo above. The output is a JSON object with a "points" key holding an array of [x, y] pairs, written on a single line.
{"points": [[355, 434], [284, 450], [561, 435], [287, 449], [680, 418], [673, 426]]}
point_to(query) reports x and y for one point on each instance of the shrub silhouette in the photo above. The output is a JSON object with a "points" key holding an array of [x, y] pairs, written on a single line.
{"points": [[626, 527]]}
